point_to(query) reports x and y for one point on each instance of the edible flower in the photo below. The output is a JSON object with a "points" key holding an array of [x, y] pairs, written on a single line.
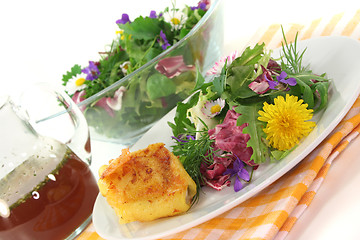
{"points": [[218, 66], [163, 40], [203, 5], [91, 71], [287, 121], [183, 138], [213, 108], [124, 19], [240, 172], [282, 76], [76, 83], [124, 67], [152, 14], [176, 18]]}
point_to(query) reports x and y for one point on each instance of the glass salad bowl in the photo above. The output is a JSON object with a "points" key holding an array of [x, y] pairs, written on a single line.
{"points": [[121, 112]]}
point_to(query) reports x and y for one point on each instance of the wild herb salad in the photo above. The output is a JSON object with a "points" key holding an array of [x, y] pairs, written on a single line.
{"points": [[254, 109], [150, 94]]}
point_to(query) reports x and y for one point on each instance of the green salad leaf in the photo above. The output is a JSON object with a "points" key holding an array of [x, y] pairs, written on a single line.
{"points": [[249, 115]]}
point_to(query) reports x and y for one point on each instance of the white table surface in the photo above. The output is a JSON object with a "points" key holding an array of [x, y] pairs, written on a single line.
{"points": [[41, 40]]}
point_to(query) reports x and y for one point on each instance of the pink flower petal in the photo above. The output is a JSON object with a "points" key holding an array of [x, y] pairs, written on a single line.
{"points": [[216, 69]]}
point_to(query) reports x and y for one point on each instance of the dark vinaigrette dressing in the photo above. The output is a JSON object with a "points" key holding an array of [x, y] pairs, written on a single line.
{"points": [[56, 208]]}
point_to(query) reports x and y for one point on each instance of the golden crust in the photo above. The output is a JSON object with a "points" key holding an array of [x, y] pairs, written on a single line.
{"points": [[146, 184]]}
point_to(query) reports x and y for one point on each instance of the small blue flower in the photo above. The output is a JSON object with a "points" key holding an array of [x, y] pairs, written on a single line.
{"points": [[240, 172], [290, 81], [202, 6], [153, 14], [183, 138], [124, 19], [272, 84], [91, 71], [267, 76], [163, 41]]}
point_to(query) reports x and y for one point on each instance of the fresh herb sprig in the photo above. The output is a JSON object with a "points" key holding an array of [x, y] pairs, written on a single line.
{"points": [[292, 58], [310, 87], [192, 153]]}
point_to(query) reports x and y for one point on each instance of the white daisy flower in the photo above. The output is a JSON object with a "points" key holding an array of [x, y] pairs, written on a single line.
{"points": [[124, 67], [75, 84], [176, 18], [216, 69], [213, 108]]}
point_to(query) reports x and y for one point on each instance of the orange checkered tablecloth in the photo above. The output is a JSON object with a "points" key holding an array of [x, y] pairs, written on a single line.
{"points": [[272, 213]]}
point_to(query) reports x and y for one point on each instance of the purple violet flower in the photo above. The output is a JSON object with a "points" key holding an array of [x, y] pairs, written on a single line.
{"points": [[272, 84], [240, 172], [202, 6], [290, 81], [124, 19], [163, 41], [153, 14], [92, 71], [183, 138]]}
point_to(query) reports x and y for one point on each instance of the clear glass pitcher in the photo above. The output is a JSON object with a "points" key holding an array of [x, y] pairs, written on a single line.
{"points": [[47, 190]]}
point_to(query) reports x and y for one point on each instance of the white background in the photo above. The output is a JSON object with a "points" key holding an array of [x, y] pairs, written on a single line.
{"points": [[41, 40]]}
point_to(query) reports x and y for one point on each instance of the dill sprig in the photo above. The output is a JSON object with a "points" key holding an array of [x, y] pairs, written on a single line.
{"points": [[192, 153], [312, 88], [293, 57]]}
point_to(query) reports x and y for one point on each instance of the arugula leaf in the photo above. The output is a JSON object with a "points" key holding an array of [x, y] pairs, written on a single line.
{"points": [[312, 86], [322, 89], [250, 55], [307, 93], [239, 78], [241, 72], [249, 115]]}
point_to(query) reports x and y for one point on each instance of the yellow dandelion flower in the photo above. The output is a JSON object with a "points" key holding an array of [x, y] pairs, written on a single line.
{"points": [[287, 121]]}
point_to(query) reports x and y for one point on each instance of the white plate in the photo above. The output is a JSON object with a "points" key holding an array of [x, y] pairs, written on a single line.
{"points": [[338, 57]]}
